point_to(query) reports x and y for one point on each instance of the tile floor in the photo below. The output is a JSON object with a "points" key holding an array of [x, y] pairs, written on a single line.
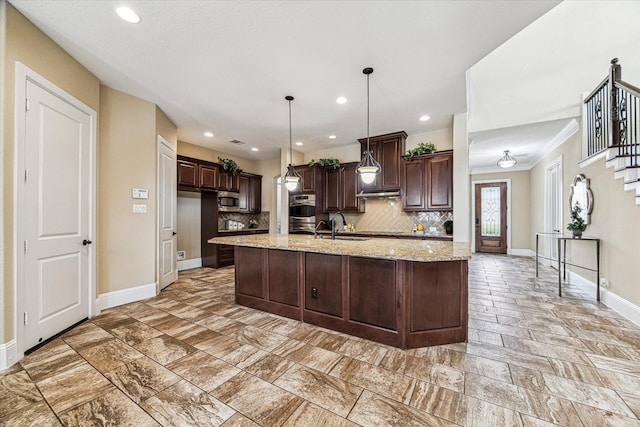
{"points": [[192, 357]]}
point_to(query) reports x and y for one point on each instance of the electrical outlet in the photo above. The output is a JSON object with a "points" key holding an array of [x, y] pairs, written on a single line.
{"points": [[604, 283], [181, 255]]}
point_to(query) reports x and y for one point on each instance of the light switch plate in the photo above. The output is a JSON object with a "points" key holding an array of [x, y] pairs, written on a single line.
{"points": [[140, 193], [140, 209]]}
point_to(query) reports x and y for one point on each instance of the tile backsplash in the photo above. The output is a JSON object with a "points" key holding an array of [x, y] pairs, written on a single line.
{"points": [[261, 219], [387, 215]]}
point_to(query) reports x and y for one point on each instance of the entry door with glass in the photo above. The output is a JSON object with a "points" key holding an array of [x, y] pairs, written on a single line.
{"points": [[491, 217]]}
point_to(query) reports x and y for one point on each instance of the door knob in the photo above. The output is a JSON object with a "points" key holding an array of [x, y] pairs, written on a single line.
{"points": [[174, 233], [86, 242]]}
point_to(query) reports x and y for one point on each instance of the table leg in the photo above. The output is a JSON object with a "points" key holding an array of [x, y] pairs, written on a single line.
{"points": [[598, 270], [559, 272], [537, 236]]}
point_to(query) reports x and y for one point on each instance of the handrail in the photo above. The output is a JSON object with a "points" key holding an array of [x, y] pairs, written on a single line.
{"points": [[597, 89], [628, 87]]}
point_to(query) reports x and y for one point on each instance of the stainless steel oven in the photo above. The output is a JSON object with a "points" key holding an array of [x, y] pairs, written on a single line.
{"points": [[302, 212], [228, 201]]}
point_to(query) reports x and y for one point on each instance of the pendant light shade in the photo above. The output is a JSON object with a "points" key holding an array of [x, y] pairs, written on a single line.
{"points": [[292, 178], [368, 167], [507, 160]]}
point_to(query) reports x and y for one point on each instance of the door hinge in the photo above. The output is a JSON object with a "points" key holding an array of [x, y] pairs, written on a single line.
{"points": [[26, 175], [26, 318], [26, 247], [27, 105]]}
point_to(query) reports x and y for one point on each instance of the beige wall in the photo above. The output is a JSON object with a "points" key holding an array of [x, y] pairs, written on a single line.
{"points": [[520, 205], [127, 160], [614, 219], [27, 44], [202, 153], [166, 128], [441, 138]]}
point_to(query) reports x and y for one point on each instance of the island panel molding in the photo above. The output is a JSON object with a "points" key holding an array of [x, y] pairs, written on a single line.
{"points": [[403, 293]]}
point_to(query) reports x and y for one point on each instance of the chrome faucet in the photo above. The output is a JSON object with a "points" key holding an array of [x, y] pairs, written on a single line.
{"points": [[315, 232], [333, 224]]}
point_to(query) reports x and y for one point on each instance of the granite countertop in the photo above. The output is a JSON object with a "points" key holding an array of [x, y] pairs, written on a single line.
{"points": [[395, 249]]}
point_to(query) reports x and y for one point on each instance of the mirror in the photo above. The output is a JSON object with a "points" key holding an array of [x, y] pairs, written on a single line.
{"points": [[582, 195]]}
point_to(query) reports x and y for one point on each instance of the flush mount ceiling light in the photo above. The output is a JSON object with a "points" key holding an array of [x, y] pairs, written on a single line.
{"points": [[368, 167], [128, 14], [208, 134], [341, 100], [424, 118], [507, 160], [292, 178]]}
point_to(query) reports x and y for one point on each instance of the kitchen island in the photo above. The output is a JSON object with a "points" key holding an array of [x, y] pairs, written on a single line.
{"points": [[404, 293]]}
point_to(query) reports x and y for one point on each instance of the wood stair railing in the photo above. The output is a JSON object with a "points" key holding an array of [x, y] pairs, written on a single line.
{"points": [[612, 120]]}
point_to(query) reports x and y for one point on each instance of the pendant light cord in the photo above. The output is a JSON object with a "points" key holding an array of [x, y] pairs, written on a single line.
{"points": [[290, 146], [368, 149]]}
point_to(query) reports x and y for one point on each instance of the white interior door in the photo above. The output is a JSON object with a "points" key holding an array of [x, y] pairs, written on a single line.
{"points": [[167, 208], [553, 203], [55, 215]]}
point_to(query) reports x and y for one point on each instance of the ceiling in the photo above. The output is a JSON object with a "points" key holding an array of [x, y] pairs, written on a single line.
{"points": [[226, 66]]}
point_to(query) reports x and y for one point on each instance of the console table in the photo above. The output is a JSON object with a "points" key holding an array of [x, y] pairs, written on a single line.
{"points": [[562, 240]]}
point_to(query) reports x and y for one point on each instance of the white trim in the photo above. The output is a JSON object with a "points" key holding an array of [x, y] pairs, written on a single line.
{"points": [[125, 296], [8, 354], [615, 302], [164, 143], [521, 252], [188, 264], [590, 160], [547, 191], [22, 75], [473, 210], [563, 136]]}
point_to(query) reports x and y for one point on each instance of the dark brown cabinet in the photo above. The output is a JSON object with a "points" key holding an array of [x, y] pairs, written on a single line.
{"points": [[427, 182], [312, 179], [387, 150], [250, 189], [341, 186], [208, 177], [228, 181], [187, 173], [323, 284]]}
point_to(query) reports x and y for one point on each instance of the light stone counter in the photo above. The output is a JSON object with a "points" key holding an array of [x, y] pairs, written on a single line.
{"points": [[393, 249]]}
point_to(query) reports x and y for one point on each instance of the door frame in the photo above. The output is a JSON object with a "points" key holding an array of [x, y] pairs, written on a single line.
{"points": [[24, 74], [166, 144], [473, 211]]}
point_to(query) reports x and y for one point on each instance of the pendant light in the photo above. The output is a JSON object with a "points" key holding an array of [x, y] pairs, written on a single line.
{"points": [[292, 178], [507, 160], [368, 167]]}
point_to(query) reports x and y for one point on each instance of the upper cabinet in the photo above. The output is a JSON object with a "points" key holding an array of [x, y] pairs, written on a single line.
{"points": [[312, 177], [208, 176], [187, 172], [341, 186], [228, 181], [250, 189], [427, 182], [201, 175], [387, 150]]}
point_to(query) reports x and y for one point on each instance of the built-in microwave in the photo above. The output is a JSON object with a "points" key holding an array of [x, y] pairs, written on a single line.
{"points": [[228, 201]]}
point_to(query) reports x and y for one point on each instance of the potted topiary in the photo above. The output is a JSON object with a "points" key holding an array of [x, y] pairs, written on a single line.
{"points": [[577, 224], [448, 226], [333, 162]]}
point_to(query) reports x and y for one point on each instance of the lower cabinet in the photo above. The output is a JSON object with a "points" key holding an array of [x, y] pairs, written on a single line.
{"points": [[395, 302]]}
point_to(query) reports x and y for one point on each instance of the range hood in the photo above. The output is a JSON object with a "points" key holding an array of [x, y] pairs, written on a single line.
{"points": [[379, 195]]}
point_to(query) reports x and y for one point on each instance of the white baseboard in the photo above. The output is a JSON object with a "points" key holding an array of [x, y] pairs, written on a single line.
{"points": [[188, 264], [615, 302], [125, 296], [8, 354], [521, 252]]}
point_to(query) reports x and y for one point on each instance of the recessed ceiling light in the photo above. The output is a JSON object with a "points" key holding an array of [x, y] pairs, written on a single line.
{"points": [[128, 14], [254, 149], [341, 100], [299, 143], [424, 118], [208, 134], [332, 137]]}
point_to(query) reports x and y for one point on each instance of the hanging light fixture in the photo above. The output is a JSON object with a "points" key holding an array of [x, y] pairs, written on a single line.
{"points": [[507, 160], [368, 167], [292, 178]]}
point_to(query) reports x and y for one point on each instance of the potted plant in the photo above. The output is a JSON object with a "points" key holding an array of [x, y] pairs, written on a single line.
{"points": [[448, 226], [423, 148], [334, 163], [230, 166], [577, 224]]}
